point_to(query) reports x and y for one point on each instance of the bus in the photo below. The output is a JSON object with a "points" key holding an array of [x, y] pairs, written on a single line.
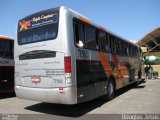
{"points": [[62, 57], [6, 64]]}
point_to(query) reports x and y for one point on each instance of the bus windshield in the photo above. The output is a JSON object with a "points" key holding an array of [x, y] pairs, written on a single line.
{"points": [[38, 27]]}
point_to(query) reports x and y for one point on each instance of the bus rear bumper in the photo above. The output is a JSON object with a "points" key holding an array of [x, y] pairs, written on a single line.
{"points": [[49, 95]]}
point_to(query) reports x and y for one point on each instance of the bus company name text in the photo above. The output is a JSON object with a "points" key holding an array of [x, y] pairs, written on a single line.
{"points": [[42, 17], [83, 54]]}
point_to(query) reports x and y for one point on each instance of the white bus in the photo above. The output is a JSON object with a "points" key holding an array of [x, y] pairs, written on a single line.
{"points": [[62, 57], [6, 64]]}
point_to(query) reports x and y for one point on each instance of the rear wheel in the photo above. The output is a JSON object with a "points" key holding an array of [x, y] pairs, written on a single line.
{"points": [[110, 89]]}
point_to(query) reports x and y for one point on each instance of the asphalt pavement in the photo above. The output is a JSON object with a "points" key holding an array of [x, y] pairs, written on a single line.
{"points": [[141, 99]]}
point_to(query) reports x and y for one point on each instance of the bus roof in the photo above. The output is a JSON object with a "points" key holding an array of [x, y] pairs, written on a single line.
{"points": [[5, 37]]}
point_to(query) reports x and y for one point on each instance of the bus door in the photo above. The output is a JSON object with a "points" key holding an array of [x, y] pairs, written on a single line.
{"points": [[85, 84]]}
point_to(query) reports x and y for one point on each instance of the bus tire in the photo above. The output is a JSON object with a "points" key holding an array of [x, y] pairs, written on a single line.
{"points": [[110, 89]]}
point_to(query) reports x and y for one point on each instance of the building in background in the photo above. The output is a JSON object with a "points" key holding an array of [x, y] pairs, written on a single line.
{"points": [[150, 45]]}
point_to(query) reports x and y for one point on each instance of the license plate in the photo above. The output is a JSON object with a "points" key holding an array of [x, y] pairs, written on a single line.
{"points": [[36, 79]]}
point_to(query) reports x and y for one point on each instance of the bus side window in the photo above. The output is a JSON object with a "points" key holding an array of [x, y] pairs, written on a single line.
{"points": [[108, 43], [118, 46], [79, 35], [124, 47], [112, 43], [135, 51], [130, 50], [90, 37], [104, 42]]}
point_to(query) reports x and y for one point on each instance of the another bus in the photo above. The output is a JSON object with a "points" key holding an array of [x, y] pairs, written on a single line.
{"points": [[62, 57], [6, 64]]}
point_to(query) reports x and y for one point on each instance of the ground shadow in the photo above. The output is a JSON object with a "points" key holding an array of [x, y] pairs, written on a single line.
{"points": [[7, 95], [66, 110], [127, 88], [76, 110]]}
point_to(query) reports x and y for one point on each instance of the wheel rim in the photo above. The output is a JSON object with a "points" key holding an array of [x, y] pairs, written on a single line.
{"points": [[110, 89]]}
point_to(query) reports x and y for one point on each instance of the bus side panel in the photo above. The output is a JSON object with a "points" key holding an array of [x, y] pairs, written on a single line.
{"points": [[85, 85], [98, 73], [126, 70], [134, 69], [121, 70], [91, 77]]}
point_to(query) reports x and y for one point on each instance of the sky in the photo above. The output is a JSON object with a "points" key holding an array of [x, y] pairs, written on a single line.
{"points": [[130, 19]]}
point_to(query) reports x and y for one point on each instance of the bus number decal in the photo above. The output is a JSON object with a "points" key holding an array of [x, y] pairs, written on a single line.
{"points": [[58, 81], [83, 54]]}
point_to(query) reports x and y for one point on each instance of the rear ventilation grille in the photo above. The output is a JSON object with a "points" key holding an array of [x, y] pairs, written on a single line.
{"points": [[39, 54]]}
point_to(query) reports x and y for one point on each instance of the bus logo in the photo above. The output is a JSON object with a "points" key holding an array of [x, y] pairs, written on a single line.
{"points": [[38, 21], [24, 25]]}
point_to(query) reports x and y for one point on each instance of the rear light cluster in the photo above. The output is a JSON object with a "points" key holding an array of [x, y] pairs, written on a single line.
{"points": [[67, 64], [68, 69]]}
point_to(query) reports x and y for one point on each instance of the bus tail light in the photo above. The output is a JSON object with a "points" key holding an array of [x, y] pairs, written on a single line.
{"points": [[67, 64], [68, 69]]}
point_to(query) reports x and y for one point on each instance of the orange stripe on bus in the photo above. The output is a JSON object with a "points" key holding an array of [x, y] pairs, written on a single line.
{"points": [[5, 37], [105, 63], [84, 20]]}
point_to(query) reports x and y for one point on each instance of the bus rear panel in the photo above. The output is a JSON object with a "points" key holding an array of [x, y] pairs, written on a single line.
{"points": [[43, 67]]}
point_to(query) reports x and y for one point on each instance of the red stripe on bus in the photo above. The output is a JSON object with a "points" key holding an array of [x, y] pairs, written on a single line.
{"points": [[115, 59]]}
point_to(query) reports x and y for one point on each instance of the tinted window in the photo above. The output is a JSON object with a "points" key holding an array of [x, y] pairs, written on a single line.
{"points": [[90, 41], [135, 51], [130, 50], [124, 47], [79, 34], [112, 44], [38, 27], [118, 46], [104, 41]]}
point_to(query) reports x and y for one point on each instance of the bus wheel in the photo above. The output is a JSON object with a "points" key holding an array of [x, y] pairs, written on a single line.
{"points": [[110, 89]]}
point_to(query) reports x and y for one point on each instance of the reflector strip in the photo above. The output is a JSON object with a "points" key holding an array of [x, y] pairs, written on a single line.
{"points": [[61, 89]]}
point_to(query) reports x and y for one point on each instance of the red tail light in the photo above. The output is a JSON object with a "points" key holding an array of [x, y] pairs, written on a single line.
{"points": [[67, 64]]}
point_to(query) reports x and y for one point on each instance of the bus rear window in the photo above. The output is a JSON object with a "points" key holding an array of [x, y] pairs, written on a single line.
{"points": [[38, 27]]}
